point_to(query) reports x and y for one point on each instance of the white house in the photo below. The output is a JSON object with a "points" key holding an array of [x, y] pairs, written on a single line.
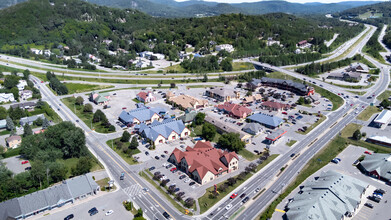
{"points": [[158, 56], [21, 84], [141, 64], [6, 97], [36, 51], [226, 47], [26, 94]]}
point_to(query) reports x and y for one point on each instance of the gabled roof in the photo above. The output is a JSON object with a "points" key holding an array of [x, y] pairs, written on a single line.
{"points": [[188, 117], [269, 120], [236, 110], [187, 101], [275, 105], [255, 127], [379, 162], [296, 85], [142, 114], [14, 138], [203, 157], [142, 95], [164, 129], [329, 197], [100, 99], [223, 92]]}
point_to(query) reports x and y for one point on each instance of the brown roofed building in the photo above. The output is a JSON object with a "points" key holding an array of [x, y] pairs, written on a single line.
{"points": [[204, 163], [274, 106], [186, 101], [234, 110]]}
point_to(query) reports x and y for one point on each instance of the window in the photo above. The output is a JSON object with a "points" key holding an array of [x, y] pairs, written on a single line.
{"points": [[186, 133], [173, 137], [160, 141]]}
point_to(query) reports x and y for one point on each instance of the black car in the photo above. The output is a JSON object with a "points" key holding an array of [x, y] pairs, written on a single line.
{"points": [[163, 156], [243, 195], [369, 205], [380, 191], [374, 198], [176, 189], [146, 153], [245, 199], [183, 176], [292, 155], [69, 217], [157, 173], [192, 183], [27, 168], [93, 211], [181, 194], [166, 215], [151, 168], [157, 157]]}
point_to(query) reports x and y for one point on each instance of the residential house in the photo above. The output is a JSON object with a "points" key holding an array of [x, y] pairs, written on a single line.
{"points": [[13, 141], [145, 97], [6, 97], [165, 131], [271, 42], [50, 198], [252, 128], [358, 67], [295, 87], [234, 110], [36, 51], [26, 94], [107, 42], [186, 101], [345, 76], [332, 196], [274, 106], [377, 166], [22, 83], [227, 47], [204, 163], [24, 105], [188, 117], [30, 120], [269, 121], [100, 98], [141, 64], [222, 94], [303, 44], [140, 115]]}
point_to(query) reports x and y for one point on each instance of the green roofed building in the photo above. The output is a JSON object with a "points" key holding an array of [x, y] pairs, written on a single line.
{"points": [[330, 196]]}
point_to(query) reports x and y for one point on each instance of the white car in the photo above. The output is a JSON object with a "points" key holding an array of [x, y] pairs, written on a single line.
{"points": [[187, 180], [228, 206], [109, 212]]}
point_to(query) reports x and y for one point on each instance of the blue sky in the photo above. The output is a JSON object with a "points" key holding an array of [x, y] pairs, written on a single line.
{"points": [[297, 1]]}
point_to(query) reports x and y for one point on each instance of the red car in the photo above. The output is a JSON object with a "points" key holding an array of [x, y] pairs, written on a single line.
{"points": [[166, 152], [367, 152], [173, 169], [284, 113], [41, 81], [25, 161], [351, 104], [363, 106], [233, 195], [124, 108]]}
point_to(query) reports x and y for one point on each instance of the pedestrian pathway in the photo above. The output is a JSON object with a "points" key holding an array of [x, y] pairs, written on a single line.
{"points": [[133, 190]]}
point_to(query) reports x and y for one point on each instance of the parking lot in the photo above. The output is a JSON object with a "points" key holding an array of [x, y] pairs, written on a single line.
{"points": [[16, 164], [348, 157]]}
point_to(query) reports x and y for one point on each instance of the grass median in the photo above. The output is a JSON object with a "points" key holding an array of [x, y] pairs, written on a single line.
{"points": [[128, 154], [208, 200], [367, 113], [79, 87]]}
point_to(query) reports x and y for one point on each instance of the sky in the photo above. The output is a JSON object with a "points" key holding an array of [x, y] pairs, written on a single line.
{"points": [[296, 1]]}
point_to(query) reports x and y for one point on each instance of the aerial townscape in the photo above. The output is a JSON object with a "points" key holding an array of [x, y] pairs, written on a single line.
{"points": [[195, 109]]}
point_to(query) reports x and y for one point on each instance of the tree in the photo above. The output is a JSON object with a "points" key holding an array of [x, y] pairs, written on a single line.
{"points": [[99, 116], [9, 124], [27, 130], [3, 113], [199, 118], [357, 135], [58, 171], [385, 103], [15, 92], [208, 131], [139, 213], [38, 122], [38, 171], [45, 123], [172, 85], [249, 93], [231, 181], [231, 141], [125, 136], [189, 202], [178, 197], [134, 143], [111, 128], [226, 64], [205, 79], [26, 74], [79, 100], [11, 81], [88, 108], [83, 166]]}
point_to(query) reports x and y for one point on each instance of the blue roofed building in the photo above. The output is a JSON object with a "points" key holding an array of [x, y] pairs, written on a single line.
{"points": [[269, 121], [165, 131], [141, 115]]}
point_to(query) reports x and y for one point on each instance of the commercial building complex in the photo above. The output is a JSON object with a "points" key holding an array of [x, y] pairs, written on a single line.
{"points": [[377, 166], [186, 101], [222, 94], [269, 121], [384, 118], [165, 131], [234, 110], [203, 162], [141, 115], [289, 85]]}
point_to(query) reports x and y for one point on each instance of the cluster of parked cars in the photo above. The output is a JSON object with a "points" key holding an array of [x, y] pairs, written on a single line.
{"points": [[376, 197]]}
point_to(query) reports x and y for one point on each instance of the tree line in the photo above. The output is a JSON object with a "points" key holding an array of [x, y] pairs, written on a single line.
{"points": [[55, 84]]}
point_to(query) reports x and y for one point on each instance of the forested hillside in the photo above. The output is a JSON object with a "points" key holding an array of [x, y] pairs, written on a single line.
{"points": [[83, 27]]}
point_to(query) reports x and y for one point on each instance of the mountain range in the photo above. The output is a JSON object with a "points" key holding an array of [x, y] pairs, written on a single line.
{"points": [[193, 8]]}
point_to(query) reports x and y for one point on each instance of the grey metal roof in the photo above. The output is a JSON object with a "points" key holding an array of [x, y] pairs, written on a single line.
{"points": [[329, 197], [57, 194], [81, 185], [269, 120], [33, 202], [379, 162], [24, 105], [253, 127], [31, 119], [10, 208], [142, 114], [164, 128]]}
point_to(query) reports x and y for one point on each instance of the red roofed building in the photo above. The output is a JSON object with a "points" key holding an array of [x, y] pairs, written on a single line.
{"points": [[145, 97], [204, 163], [275, 106], [234, 110]]}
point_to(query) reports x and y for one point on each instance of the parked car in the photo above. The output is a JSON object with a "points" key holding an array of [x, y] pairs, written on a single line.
{"points": [[157, 173], [187, 180], [369, 205], [182, 177], [192, 183], [233, 196], [367, 152], [181, 194], [176, 189], [151, 168], [27, 168], [109, 212], [172, 169], [25, 161], [374, 198], [380, 191], [166, 152], [169, 166], [157, 157], [146, 153], [334, 161], [93, 211], [163, 156]]}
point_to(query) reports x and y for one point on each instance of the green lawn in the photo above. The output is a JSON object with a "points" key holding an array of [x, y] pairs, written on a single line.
{"points": [[4, 132], [385, 95], [291, 143], [247, 155], [78, 87], [348, 131], [128, 158], [71, 162], [357, 92], [176, 68], [103, 183], [86, 117], [367, 113], [206, 201], [238, 66]]}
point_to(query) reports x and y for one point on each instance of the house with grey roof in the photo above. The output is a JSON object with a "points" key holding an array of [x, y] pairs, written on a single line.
{"points": [[30, 120], [345, 76], [165, 131], [53, 197], [141, 115], [188, 117], [252, 128], [24, 105], [330, 196], [377, 166]]}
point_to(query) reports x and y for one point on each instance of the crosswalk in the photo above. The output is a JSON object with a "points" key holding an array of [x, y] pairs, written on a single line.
{"points": [[133, 190]]}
